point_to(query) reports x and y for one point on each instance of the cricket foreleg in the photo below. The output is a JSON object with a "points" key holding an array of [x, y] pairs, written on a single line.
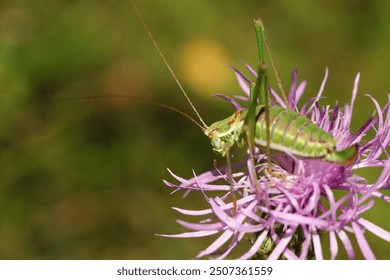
{"points": [[230, 174]]}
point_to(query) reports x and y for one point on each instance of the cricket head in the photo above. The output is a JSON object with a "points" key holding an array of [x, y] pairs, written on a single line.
{"points": [[225, 133]]}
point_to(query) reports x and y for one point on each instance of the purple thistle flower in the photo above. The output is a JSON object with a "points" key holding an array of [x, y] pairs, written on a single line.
{"points": [[310, 199]]}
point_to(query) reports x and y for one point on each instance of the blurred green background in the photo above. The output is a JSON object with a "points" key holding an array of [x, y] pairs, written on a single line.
{"points": [[82, 179]]}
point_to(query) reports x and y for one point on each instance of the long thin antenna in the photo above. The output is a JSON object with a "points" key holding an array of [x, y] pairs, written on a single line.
{"points": [[166, 62], [278, 80], [138, 99]]}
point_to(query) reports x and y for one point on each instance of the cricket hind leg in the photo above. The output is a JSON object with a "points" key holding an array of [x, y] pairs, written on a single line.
{"points": [[258, 89], [261, 89]]}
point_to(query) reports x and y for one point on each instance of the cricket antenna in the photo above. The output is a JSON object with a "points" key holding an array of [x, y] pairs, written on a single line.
{"points": [[166, 62], [138, 99]]}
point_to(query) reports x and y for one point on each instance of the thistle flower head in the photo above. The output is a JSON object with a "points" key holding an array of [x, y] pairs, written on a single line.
{"points": [[306, 200]]}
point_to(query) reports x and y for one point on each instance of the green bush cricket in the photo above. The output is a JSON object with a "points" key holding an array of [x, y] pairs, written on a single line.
{"points": [[272, 128]]}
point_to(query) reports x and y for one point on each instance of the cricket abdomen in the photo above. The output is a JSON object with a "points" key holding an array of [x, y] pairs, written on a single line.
{"points": [[293, 133]]}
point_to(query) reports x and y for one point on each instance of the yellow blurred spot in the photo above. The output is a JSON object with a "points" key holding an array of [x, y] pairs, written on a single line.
{"points": [[203, 64]]}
